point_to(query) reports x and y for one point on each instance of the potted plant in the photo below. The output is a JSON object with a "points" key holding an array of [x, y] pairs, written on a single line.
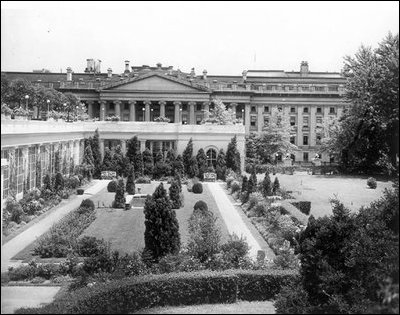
{"points": [[5, 112], [112, 118], [20, 113]]}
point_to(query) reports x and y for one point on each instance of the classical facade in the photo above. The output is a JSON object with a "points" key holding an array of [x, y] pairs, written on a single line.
{"points": [[142, 93]]}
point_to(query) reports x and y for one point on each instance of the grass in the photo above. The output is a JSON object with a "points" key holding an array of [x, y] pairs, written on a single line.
{"points": [[240, 307], [125, 229], [352, 191]]}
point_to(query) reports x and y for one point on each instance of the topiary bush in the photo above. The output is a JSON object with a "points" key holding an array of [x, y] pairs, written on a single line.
{"points": [[80, 191], [112, 186], [87, 203], [371, 182], [235, 186], [200, 205], [197, 188]]}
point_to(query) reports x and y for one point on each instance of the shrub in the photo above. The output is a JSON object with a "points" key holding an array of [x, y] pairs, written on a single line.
{"points": [[303, 206], [119, 200], [197, 188], [59, 182], [254, 199], [64, 194], [87, 203], [178, 263], [200, 205], [112, 186], [229, 181], [260, 209], [62, 236], [80, 191], [33, 207], [174, 195], [14, 208], [371, 182], [235, 186], [234, 250], [143, 180], [90, 246], [204, 235], [130, 265]]}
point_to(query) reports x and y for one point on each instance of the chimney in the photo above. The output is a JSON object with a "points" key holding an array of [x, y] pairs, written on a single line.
{"points": [[97, 64], [90, 65], [244, 75], [204, 74], [192, 73], [69, 74], [304, 68], [126, 66], [159, 65], [109, 73]]}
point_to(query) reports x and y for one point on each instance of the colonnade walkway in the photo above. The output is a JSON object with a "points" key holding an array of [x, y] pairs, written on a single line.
{"points": [[22, 240]]}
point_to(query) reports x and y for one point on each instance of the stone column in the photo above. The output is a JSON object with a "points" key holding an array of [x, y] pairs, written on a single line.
{"points": [[142, 145], [300, 126], [132, 110], [162, 108], [191, 113], [123, 146], [233, 107], [177, 112], [312, 119], [260, 117], [247, 118], [117, 105], [102, 148], [147, 110], [103, 110], [90, 108], [206, 109]]}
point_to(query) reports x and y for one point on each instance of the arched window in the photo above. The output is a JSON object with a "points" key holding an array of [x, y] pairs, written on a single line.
{"points": [[211, 157]]}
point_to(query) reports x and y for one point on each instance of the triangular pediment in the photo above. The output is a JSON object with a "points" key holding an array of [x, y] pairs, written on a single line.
{"points": [[155, 82]]}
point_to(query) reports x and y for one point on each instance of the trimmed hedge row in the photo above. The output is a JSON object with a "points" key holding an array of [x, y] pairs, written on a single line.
{"points": [[303, 206], [185, 288]]}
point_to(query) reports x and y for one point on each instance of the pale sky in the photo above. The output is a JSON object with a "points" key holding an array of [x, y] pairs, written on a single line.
{"points": [[222, 37]]}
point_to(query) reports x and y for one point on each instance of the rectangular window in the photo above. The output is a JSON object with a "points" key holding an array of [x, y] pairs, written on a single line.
{"points": [[305, 121], [305, 156], [126, 106], [198, 119], [184, 119], [292, 109], [318, 140], [319, 120], [19, 159], [305, 110], [279, 108], [111, 106], [198, 107], [253, 121], [292, 120], [6, 174], [292, 139], [319, 110], [32, 167], [331, 110], [253, 109], [305, 140], [266, 120], [266, 109]]}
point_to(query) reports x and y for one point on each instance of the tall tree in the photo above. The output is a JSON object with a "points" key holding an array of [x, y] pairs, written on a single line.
{"points": [[187, 155], [266, 185], [174, 195], [148, 163], [220, 115], [88, 161], [367, 137], [119, 200], [233, 156], [220, 169], [169, 161], [193, 168], [95, 144], [275, 137], [108, 161], [119, 160], [130, 182], [178, 166], [162, 228], [201, 163], [138, 164], [132, 149]]}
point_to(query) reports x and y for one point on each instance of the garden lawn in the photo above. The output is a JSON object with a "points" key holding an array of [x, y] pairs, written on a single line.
{"points": [[124, 229], [240, 307], [352, 191]]}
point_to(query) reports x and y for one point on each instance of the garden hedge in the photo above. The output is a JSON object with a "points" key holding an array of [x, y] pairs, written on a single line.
{"points": [[185, 288]]}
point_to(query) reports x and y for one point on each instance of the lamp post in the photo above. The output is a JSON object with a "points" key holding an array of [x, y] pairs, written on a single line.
{"points": [[76, 112], [102, 114], [48, 108], [152, 117], [143, 112], [180, 115], [65, 105]]}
